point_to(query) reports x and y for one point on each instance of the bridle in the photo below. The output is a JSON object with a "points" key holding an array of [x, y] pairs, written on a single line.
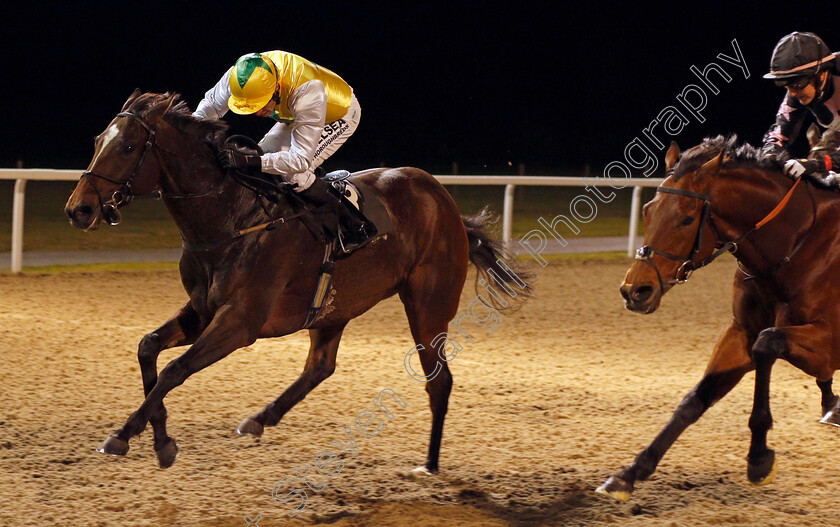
{"points": [[689, 265], [124, 195]]}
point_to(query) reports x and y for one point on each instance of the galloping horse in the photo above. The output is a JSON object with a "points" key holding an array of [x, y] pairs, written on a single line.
{"points": [[719, 198], [250, 270]]}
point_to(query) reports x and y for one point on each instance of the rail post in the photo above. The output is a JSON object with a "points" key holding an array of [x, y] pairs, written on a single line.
{"points": [[17, 225], [507, 213], [634, 220]]}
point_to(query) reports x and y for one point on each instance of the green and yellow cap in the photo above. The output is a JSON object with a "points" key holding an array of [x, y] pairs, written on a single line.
{"points": [[253, 80]]}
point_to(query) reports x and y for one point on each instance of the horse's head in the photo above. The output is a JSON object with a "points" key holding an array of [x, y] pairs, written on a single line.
{"points": [[126, 162], [679, 234]]}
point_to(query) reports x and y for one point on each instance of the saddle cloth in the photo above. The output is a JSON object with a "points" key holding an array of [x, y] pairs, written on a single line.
{"points": [[360, 199]]}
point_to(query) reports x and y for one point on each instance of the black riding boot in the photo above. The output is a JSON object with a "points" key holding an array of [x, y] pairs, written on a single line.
{"points": [[356, 231]]}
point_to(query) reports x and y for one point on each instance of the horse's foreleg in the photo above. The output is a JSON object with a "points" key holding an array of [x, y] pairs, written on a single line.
{"points": [[320, 364], [729, 362], [180, 330], [227, 332], [768, 347], [810, 348]]}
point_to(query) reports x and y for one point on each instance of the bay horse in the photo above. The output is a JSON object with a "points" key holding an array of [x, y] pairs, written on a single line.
{"points": [[246, 281], [720, 197]]}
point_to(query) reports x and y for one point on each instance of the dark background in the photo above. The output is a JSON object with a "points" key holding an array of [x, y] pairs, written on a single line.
{"points": [[488, 85]]}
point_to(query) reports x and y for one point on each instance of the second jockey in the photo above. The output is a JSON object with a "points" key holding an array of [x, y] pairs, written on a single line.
{"points": [[809, 71]]}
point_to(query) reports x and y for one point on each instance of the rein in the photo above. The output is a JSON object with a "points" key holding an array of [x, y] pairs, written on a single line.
{"points": [[123, 195], [689, 265], [235, 235]]}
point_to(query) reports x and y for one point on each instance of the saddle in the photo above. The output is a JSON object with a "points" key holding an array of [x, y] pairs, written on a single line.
{"points": [[359, 199]]}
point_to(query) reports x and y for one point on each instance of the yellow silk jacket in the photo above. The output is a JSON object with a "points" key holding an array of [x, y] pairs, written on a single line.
{"points": [[293, 71]]}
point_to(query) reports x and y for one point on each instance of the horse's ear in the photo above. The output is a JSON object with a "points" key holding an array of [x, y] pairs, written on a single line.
{"points": [[709, 169], [671, 156], [158, 110], [136, 93], [813, 135]]}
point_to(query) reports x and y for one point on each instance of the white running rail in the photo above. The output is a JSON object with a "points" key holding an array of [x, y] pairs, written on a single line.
{"points": [[22, 175]]}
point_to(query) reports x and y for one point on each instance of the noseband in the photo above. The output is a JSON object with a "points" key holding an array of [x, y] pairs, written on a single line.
{"points": [[689, 265], [123, 195]]}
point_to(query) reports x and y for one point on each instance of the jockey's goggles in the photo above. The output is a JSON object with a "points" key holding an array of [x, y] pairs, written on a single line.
{"points": [[795, 84]]}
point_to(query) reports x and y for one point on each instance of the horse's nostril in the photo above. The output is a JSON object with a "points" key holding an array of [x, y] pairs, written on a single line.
{"points": [[625, 291], [79, 212], [642, 293]]}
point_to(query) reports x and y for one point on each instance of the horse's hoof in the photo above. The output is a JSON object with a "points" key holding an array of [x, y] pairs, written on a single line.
{"points": [[250, 426], [831, 418], [617, 488], [114, 446], [419, 473], [764, 471], [168, 453]]}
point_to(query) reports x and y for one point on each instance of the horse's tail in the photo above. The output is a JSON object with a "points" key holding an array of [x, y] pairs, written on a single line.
{"points": [[512, 281]]}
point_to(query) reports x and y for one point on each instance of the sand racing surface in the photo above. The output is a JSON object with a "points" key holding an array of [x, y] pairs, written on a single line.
{"points": [[565, 392]]}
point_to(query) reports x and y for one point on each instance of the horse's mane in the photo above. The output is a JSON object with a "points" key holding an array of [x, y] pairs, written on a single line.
{"points": [[734, 155], [211, 131]]}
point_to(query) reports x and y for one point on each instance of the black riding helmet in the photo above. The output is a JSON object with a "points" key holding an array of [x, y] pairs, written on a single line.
{"points": [[800, 55]]}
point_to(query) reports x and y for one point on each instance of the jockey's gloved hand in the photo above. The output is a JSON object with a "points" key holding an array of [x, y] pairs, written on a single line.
{"points": [[796, 168], [232, 159]]}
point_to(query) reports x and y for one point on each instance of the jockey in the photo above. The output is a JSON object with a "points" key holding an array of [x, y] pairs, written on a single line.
{"points": [[810, 72], [315, 113]]}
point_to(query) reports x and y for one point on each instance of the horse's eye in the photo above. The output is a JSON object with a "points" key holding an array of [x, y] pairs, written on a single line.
{"points": [[688, 220], [129, 148]]}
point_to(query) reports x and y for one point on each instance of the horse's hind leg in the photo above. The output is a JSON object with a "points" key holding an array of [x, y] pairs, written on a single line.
{"points": [[320, 364], [180, 330], [431, 301], [829, 402], [729, 363], [827, 397]]}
